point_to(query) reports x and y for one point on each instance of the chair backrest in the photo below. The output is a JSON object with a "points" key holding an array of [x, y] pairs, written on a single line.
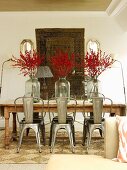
{"points": [[97, 109], [28, 109], [62, 103], [98, 104], [62, 109], [27, 103]]}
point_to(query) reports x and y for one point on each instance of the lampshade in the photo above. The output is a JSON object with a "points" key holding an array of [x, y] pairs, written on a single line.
{"points": [[44, 71]]}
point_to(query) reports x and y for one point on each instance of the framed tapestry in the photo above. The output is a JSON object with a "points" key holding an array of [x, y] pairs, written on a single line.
{"points": [[50, 39]]}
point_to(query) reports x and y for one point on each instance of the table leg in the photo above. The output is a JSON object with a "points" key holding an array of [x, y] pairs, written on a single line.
{"points": [[14, 132], [7, 133], [123, 111]]}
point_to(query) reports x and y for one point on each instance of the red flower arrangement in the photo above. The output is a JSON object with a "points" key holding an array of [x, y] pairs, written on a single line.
{"points": [[94, 64], [28, 62], [62, 63]]}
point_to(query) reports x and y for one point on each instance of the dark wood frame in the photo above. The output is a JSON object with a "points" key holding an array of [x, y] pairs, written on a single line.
{"points": [[48, 40]]}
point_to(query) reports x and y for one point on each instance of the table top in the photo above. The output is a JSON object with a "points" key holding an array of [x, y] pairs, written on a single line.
{"points": [[53, 103]]}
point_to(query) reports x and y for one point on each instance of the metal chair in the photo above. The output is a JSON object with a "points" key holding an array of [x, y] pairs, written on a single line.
{"points": [[63, 121], [96, 121], [27, 121]]}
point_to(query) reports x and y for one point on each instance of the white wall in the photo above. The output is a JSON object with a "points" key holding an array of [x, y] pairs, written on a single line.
{"points": [[16, 26]]}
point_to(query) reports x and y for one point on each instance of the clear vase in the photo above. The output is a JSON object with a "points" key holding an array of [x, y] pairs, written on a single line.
{"points": [[62, 88], [93, 88], [32, 88]]}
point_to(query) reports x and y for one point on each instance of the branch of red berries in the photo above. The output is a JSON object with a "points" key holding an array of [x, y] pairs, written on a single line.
{"points": [[62, 63], [95, 63], [28, 62]]}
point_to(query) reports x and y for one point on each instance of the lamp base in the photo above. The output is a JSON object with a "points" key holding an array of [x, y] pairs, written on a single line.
{"points": [[44, 90]]}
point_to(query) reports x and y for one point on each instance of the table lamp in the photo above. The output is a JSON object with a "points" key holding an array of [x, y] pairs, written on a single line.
{"points": [[44, 72]]}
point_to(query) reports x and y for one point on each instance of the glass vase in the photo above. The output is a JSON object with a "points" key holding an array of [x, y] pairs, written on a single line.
{"points": [[62, 88], [93, 88], [32, 88]]}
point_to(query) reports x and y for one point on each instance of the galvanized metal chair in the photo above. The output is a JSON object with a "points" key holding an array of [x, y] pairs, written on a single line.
{"points": [[62, 121], [97, 119], [27, 121]]}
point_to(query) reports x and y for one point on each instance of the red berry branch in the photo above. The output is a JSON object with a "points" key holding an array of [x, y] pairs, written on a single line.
{"points": [[94, 64], [28, 62], [62, 63]]}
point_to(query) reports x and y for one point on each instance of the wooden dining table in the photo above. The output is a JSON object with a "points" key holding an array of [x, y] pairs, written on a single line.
{"points": [[8, 107]]}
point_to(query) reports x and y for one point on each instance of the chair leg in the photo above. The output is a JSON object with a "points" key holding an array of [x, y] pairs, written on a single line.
{"points": [[85, 129], [73, 133], [50, 138], [100, 131], [70, 135], [42, 129], [20, 139], [53, 137], [102, 128], [27, 131], [90, 132], [38, 138]]}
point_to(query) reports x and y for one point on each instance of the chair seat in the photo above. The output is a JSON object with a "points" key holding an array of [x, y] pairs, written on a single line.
{"points": [[37, 119], [91, 120], [68, 120]]}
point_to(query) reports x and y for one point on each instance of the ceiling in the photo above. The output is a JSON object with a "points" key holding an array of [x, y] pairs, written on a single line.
{"points": [[54, 5]]}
